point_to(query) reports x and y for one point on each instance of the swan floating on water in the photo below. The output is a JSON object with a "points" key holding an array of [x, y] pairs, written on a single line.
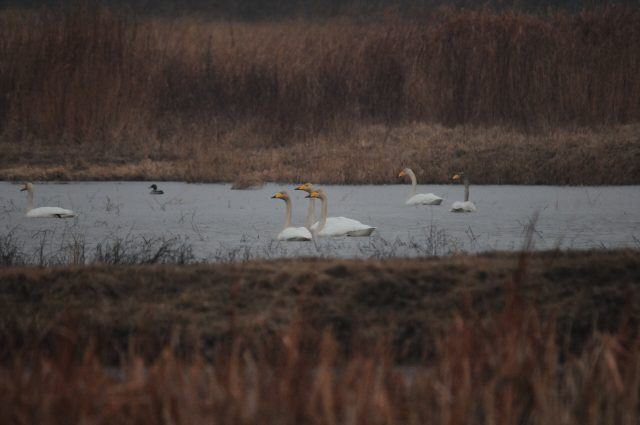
{"points": [[420, 198], [336, 226], [311, 209], [43, 212], [290, 233], [155, 191], [467, 205]]}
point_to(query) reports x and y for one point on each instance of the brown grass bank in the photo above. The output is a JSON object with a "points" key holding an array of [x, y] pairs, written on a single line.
{"points": [[97, 94], [366, 155], [407, 301], [498, 331]]}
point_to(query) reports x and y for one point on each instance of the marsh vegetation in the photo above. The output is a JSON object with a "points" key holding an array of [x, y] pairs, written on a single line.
{"points": [[516, 338], [182, 308], [94, 93]]}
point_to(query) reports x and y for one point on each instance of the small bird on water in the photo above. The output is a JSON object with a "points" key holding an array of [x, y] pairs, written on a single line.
{"points": [[155, 191]]}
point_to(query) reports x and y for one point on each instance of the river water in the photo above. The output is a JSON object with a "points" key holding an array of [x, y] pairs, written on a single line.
{"points": [[222, 224]]}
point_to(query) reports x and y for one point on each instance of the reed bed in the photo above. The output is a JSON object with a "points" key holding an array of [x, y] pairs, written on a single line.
{"points": [[512, 360], [86, 85]]}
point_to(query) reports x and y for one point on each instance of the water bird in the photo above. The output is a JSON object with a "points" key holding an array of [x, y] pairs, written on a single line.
{"points": [[311, 209], [155, 190], [420, 198], [43, 212], [336, 226], [467, 205], [290, 233]]}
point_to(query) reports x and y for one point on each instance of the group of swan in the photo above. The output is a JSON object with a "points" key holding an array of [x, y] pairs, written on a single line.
{"points": [[326, 226], [342, 226], [431, 199]]}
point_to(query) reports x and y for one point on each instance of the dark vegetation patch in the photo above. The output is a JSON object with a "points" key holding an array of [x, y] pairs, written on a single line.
{"points": [[408, 302]]}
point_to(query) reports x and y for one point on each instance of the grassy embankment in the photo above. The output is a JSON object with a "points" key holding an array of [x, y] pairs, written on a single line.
{"points": [[495, 338], [509, 97]]}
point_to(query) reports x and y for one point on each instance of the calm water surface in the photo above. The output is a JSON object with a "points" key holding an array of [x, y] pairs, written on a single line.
{"points": [[220, 223]]}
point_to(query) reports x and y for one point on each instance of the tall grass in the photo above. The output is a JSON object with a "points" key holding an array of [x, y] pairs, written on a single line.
{"points": [[506, 367], [98, 77]]}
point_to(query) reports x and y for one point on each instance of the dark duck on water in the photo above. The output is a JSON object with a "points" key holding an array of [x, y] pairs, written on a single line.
{"points": [[155, 191]]}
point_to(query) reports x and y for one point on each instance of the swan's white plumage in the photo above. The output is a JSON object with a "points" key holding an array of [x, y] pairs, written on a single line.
{"points": [[50, 212], [43, 212], [460, 206], [290, 233], [466, 205], [295, 234], [343, 226], [311, 209], [420, 198], [337, 226], [424, 199]]}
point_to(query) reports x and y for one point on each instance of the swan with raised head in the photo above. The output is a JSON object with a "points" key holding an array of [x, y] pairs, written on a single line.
{"points": [[43, 212], [155, 190], [467, 205], [290, 233], [310, 219], [420, 198], [336, 226]]}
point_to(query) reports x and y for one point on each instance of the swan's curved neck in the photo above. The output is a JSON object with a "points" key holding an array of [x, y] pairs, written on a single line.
{"points": [[29, 199], [311, 214], [323, 213], [287, 220], [466, 188], [412, 176]]}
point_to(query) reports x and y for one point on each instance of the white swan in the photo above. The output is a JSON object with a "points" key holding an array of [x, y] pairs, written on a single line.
{"points": [[290, 233], [420, 198], [311, 209], [336, 226], [43, 212], [467, 205]]}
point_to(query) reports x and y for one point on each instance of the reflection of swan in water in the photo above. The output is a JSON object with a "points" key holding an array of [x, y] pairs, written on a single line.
{"points": [[290, 233], [467, 205], [44, 212], [311, 210], [336, 226], [155, 191], [420, 198]]}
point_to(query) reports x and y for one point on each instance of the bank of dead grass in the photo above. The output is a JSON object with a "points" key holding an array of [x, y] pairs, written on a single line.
{"points": [[371, 154], [503, 339]]}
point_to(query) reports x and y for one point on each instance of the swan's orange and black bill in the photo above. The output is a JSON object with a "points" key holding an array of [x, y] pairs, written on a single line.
{"points": [[456, 177], [402, 174]]}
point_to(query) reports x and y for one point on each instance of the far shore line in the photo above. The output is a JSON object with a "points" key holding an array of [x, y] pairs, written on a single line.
{"points": [[282, 183], [367, 154]]}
